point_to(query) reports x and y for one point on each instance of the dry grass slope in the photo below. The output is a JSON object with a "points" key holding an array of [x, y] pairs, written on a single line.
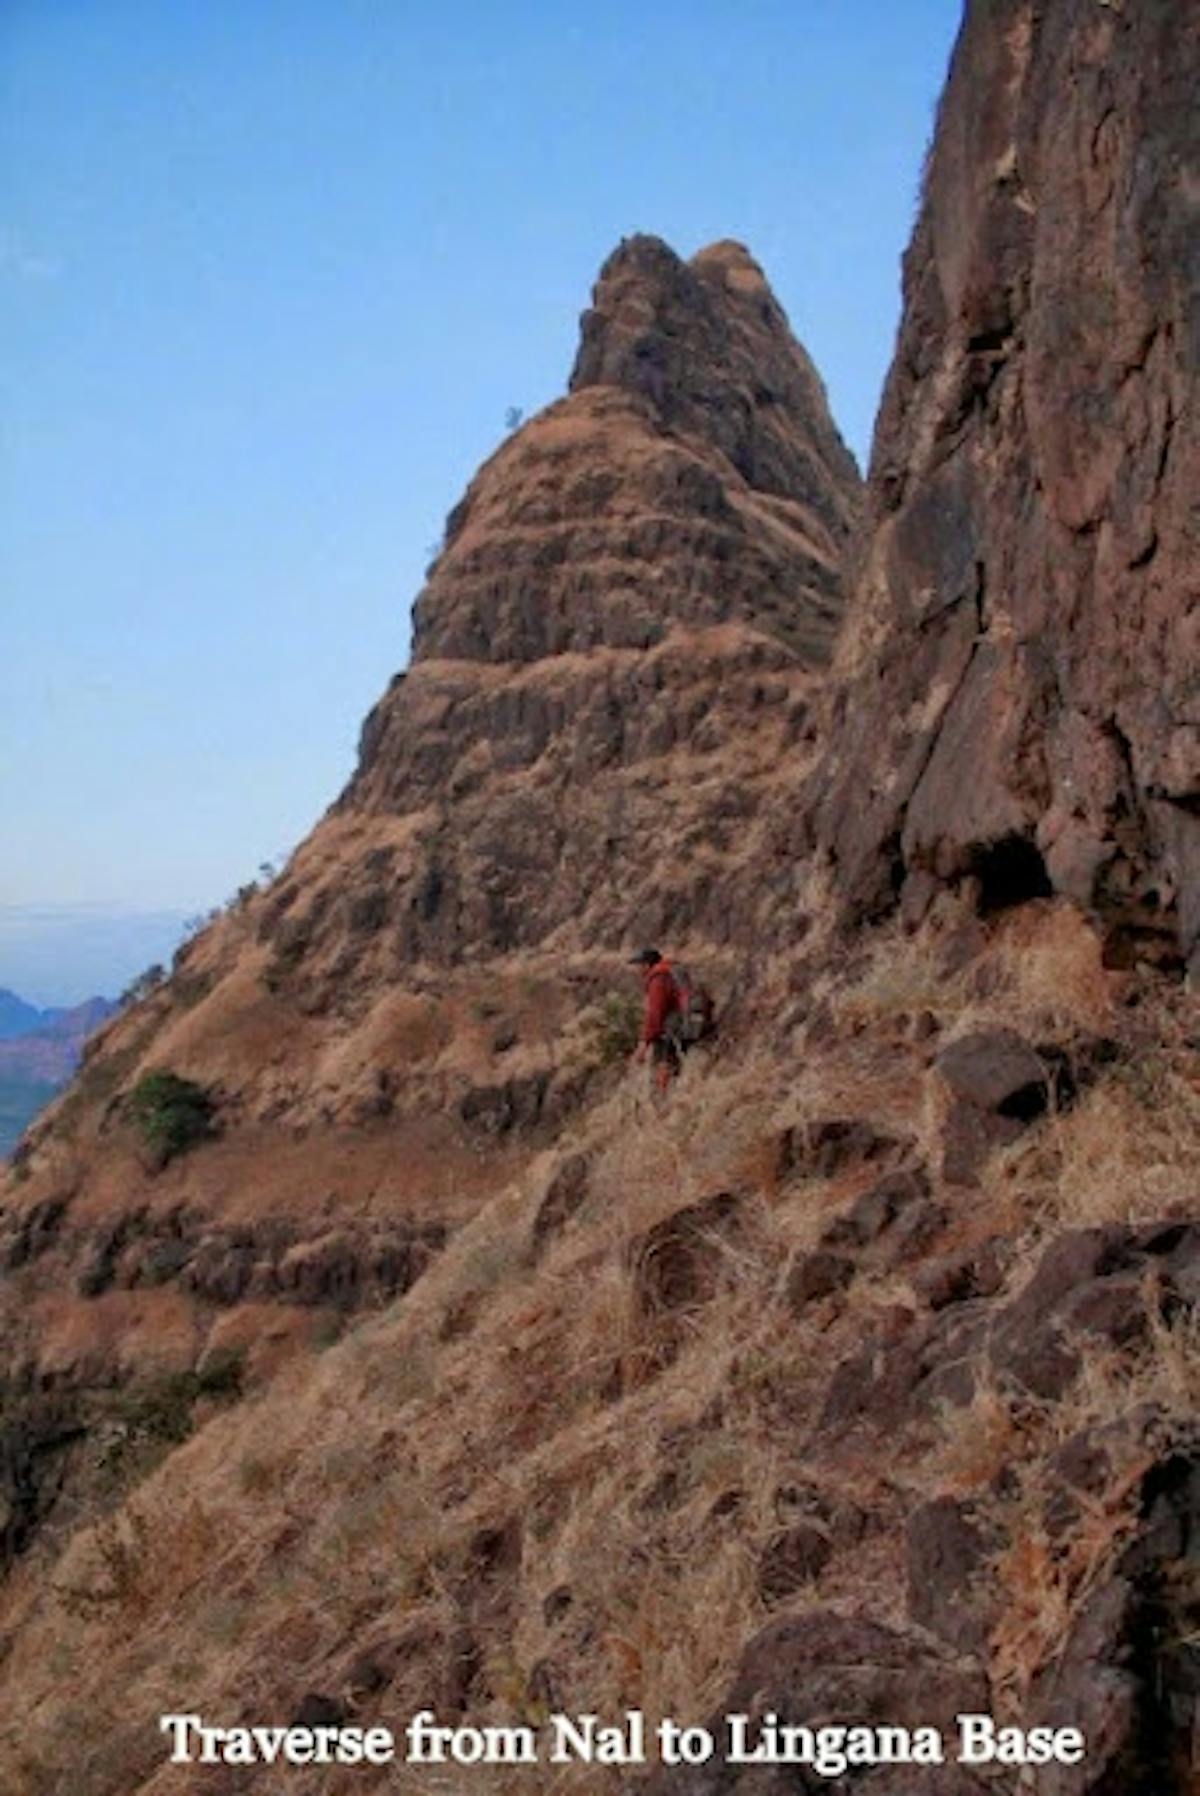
{"points": [[551, 1477]]}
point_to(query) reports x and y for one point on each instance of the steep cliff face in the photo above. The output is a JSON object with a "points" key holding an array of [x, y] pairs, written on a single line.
{"points": [[1023, 703]]}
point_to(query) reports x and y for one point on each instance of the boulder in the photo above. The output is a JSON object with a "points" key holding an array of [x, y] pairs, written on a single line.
{"points": [[948, 1548], [676, 1264], [998, 1084], [826, 1668], [794, 1558], [996, 1070], [815, 1275]]}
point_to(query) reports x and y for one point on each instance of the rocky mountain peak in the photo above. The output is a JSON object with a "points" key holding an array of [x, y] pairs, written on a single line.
{"points": [[710, 347], [633, 573], [693, 474]]}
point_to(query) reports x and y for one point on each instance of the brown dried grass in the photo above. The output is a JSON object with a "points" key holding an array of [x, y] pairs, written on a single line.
{"points": [[344, 1499]]}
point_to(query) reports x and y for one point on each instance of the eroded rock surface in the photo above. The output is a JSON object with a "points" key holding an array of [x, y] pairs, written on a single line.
{"points": [[1023, 706], [620, 637]]}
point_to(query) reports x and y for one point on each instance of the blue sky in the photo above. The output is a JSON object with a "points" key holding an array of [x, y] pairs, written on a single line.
{"points": [[271, 274]]}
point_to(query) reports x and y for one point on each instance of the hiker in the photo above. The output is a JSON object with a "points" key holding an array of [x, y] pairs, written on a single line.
{"points": [[679, 1013], [659, 1038]]}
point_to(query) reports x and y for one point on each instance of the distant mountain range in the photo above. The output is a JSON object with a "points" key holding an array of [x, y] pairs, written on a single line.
{"points": [[66, 950], [18, 1018], [39, 1050]]}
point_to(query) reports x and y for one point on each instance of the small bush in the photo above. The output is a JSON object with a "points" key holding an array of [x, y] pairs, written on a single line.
{"points": [[611, 1029], [219, 1374], [171, 1114], [143, 1421], [143, 986], [157, 1409], [327, 1332]]}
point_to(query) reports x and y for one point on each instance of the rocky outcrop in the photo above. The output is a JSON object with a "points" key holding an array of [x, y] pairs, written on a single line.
{"points": [[709, 346], [646, 576], [826, 1670], [1029, 605], [692, 476], [1129, 1670], [1102, 1285]]}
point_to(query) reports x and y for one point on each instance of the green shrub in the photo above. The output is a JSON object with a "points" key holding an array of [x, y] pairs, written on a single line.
{"points": [[219, 1374], [158, 1408], [612, 1028], [170, 1113], [136, 1426]]}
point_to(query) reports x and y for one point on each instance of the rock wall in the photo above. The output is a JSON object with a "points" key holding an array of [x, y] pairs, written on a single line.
{"points": [[1022, 701]]}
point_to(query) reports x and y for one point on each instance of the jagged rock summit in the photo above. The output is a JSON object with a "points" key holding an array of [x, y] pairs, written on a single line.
{"points": [[635, 574], [707, 343], [1031, 606], [692, 476]]}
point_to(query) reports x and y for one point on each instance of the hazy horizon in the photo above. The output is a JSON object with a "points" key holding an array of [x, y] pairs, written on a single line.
{"points": [[62, 954]]}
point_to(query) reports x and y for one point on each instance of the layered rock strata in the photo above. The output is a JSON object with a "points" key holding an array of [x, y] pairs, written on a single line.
{"points": [[617, 644]]}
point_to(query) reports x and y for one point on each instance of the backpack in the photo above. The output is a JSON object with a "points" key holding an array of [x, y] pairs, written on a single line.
{"points": [[695, 1019]]}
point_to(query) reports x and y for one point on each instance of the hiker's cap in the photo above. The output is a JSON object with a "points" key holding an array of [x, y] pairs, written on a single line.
{"points": [[645, 957]]}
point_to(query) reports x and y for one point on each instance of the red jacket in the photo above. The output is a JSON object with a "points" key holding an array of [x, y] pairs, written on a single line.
{"points": [[662, 999]]}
